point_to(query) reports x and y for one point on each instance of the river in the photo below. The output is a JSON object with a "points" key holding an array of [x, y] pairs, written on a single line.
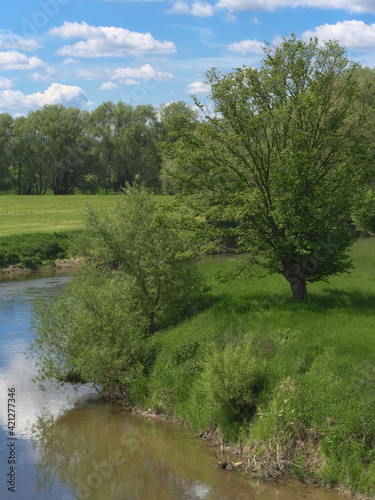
{"points": [[69, 445]]}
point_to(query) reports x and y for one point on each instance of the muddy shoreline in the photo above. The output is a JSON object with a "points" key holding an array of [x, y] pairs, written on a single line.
{"points": [[241, 459], [10, 271]]}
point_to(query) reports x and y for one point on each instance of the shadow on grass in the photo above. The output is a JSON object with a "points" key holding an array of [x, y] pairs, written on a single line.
{"points": [[328, 299]]}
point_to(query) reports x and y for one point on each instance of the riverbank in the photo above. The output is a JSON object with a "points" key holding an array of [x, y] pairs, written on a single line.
{"points": [[288, 387], [9, 271], [276, 468]]}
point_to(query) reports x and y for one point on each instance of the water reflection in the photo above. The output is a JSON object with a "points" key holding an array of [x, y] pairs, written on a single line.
{"points": [[107, 455]]}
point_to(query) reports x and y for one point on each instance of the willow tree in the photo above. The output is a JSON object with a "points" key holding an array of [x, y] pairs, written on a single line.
{"points": [[281, 157]]}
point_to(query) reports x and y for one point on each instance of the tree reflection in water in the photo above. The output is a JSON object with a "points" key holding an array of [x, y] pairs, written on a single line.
{"points": [[103, 454]]}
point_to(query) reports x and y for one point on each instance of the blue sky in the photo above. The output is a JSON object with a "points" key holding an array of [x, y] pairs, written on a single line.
{"points": [[84, 52]]}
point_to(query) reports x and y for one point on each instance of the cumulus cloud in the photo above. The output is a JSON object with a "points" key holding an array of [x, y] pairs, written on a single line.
{"points": [[108, 86], [359, 6], [108, 41], [67, 95], [145, 72], [68, 61], [198, 88], [89, 75], [198, 8], [16, 60], [247, 47], [9, 41], [352, 34], [50, 73], [129, 81], [5, 83]]}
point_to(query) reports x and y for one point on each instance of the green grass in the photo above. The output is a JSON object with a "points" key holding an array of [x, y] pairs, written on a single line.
{"points": [[46, 214], [313, 374], [37, 230]]}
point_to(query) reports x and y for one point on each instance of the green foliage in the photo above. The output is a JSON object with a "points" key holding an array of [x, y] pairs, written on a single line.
{"points": [[124, 141], [150, 252], [36, 249], [364, 215], [140, 276], [281, 159], [225, 394], [89, 334]]}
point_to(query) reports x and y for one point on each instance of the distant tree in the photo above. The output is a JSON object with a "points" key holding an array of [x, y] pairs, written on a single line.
{"points": [[51, 150], [124, 141], [28, 164], [283, 157], [175, 118], [6, 125]]}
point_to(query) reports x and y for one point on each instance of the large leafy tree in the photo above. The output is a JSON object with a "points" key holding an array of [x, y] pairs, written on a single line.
{"points": [[282, 158]]}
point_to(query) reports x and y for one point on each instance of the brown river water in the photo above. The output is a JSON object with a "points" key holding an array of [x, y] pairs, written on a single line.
{"points": [[69, 445]]}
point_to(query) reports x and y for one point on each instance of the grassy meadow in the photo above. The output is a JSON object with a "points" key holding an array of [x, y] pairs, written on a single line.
{"points": [[47, 214]]}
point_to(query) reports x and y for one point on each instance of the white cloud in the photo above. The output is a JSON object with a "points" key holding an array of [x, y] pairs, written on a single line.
{"points": [[89, 75], [129, 81], [108, 86], [145, 72], [352, 34], [247, 47], [15, 42], [50, 73], [15, 60], [66, 62], [5, 83], [198, 88], [359, 6], [230, 18], [68, 95], [104, 41], [198, 9]]}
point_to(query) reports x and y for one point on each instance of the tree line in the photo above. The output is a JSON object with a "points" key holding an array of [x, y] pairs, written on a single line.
{"points": [[65, 150]]}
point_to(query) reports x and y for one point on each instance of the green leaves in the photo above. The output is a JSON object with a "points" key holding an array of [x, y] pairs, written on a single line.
{"points": [[140, 276], [282, 157]]}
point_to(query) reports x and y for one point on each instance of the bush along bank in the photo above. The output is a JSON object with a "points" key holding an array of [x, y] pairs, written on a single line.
{"points": [[37, 250], [291, 385]]}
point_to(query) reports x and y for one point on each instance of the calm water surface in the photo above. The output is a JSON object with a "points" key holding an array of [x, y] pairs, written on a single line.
{"points": [[71, 446]]}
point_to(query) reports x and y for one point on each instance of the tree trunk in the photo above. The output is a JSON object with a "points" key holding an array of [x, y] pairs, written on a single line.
{"points": [[151, 326], [299, 290]]}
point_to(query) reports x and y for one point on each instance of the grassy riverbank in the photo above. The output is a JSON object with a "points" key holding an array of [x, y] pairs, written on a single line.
{"points": [[35, 231], [293, 383]]}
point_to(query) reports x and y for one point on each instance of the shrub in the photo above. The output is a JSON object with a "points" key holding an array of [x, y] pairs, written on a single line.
{"points": [[140, 276], [226, 393]]}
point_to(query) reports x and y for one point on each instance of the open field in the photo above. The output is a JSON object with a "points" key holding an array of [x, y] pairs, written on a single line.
{"points": [[40, 214]]}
